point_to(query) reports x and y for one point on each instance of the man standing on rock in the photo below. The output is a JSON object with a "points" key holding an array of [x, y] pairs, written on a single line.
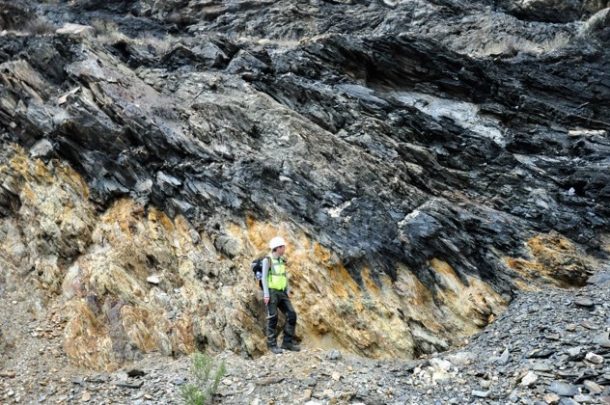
{"points": [[275, 293]]}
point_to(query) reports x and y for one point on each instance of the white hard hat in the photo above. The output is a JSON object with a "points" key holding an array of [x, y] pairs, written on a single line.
{"points": [[277, 242]]}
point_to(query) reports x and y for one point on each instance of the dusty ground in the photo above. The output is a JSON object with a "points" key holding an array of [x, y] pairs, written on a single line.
{"points": [[551, 346]]}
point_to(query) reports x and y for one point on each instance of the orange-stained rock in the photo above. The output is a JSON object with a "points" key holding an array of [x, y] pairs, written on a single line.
{"points": [[554, 259], [131, 280]]}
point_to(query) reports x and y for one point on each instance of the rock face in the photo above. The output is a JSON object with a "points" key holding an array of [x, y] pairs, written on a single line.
{"points": [[425, 160], [556, 11]]}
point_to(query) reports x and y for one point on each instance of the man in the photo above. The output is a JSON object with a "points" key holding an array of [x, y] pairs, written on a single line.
{"points": [[275, 295]]}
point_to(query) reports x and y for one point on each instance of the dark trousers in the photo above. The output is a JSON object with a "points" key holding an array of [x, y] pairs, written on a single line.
{"points": [[279, 300]]}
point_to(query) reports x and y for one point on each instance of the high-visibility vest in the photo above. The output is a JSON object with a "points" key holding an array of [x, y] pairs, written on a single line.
{"points": [[277, 273]]}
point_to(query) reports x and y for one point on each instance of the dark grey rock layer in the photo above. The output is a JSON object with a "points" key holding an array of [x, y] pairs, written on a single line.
{"points": [[376, 127]]}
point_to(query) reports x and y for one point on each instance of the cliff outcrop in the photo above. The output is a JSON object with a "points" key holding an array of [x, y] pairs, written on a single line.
{"points": [[425, 160]]}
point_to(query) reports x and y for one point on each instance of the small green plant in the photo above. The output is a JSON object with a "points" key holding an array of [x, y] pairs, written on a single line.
{"points": [[206, 380]]}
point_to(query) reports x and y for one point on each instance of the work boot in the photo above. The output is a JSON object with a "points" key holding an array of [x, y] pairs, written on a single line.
{"points": [[291, 346], [275, 350]]}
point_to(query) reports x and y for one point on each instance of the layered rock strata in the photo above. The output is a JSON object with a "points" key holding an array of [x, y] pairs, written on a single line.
{"points": [[423, 168]]}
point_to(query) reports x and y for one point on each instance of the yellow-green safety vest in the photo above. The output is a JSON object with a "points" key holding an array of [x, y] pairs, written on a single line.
{"points": [[277, 274]]}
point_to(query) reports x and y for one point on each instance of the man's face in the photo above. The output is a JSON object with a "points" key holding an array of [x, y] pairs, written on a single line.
{"points": [[280, 250]]}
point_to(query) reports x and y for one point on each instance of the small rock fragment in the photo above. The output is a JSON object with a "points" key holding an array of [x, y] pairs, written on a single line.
{"points": [[480, 394], [563, 389], [584, 302], [333, 355], [153, 280], [552, 399], [593, 387], [529, 379], [594, 358]]}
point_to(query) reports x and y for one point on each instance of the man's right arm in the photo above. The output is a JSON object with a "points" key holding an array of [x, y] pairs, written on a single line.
{"points": [[265, 279]]}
